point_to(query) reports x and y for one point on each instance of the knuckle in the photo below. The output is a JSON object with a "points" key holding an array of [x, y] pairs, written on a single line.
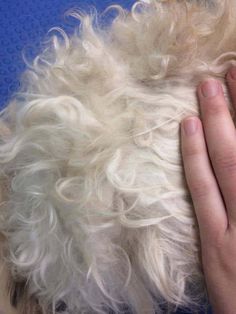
{"points": [[193, 150], [216, 107], [225, 161], [200, 188]]}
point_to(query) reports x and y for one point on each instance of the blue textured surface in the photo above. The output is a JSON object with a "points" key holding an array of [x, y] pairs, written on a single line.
{"points": [[24, 23]]}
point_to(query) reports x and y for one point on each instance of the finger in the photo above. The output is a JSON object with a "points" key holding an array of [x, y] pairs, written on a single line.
{"points": [[231, 81], [207, 200], [220, 137]]}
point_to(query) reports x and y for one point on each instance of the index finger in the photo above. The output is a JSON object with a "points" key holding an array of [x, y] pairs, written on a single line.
{"points": [[207, 201]]}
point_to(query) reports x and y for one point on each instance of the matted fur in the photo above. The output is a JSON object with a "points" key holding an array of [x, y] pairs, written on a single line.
{"points": [[98, 214]]}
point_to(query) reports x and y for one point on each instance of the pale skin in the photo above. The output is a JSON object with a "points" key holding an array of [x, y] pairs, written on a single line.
{"points": [[209, 157]]}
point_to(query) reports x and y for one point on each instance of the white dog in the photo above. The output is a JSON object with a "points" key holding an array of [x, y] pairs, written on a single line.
{"points": [[97, 214]]}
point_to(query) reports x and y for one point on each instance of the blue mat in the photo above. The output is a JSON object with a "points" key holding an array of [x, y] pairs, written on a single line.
{"points": [[24, 23]]}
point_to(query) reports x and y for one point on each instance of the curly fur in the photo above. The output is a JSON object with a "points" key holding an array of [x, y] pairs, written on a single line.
{"points": [[98, 214]]}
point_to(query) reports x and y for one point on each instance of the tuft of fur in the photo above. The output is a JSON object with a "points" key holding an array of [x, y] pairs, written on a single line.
{"points": [[98, 215], [14, 296]]}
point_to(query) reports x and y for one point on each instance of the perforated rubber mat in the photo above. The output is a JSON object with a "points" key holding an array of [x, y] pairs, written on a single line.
{"points": [[24, 23]]}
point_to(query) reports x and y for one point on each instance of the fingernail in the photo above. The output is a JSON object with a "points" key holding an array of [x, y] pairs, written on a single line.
{"points": [[232, 73], [190, 126], [210, 88]]}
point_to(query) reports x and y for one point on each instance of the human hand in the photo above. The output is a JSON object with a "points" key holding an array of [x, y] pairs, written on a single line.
{"points": [[209, 157]]}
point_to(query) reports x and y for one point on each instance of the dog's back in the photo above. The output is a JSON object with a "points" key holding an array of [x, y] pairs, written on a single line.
{"points": [[98, 213]]}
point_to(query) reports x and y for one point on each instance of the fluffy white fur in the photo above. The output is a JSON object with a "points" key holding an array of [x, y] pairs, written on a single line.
{"points": [[98, 213]]}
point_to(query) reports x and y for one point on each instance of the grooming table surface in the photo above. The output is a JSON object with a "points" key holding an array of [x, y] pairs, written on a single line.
{"points": [[24, 24]]}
